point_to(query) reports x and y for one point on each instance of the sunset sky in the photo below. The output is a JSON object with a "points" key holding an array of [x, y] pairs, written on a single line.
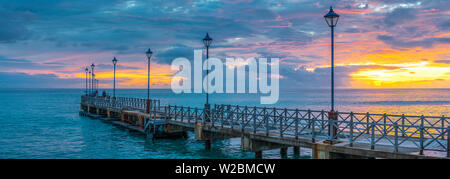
{"points": [[379, 43]]}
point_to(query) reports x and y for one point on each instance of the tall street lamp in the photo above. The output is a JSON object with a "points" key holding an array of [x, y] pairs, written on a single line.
{"points": [[93, 76], [207, 42], [86, 70], [94, 84], [149, 54], [332, 18], [90, 85], [114, 88]]}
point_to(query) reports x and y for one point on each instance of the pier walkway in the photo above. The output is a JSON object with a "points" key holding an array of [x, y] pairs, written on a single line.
{"points": [[328, 134]]}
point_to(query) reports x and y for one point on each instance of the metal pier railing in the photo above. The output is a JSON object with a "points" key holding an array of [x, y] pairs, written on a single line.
{"points": [[395, 131]]}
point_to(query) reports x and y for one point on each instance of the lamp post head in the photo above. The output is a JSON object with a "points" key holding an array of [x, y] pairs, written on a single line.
{"points": [[86, 69], [92, 66], [331, 18], [207, 40], [114, 61], [149, 53]]}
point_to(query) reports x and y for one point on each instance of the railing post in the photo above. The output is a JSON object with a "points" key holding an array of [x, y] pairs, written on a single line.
{"points": [[244, 118], [232, 117], [384, 124], [372, 138], [443, 126], [309, 119], [140, 103], [254, 120], [168, 111], [396, 137], [448, 142], [296, 123], [155, 113], [212, 115], [274, 117], [281, 122], [165, 112], [228, 113], [368, 122], [189, 114], [403, 125], [351, 129], [182, 113], [313, 130], [196, 115], [175, 112], [323, 119], [205, 114], [266, 119], [421, 135], [222, 114], [148, 106]]}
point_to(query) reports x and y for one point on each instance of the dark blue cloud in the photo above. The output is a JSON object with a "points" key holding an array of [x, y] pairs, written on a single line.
{"points": [[14, 25], [166, 57], [400, 16], [427, 42], [23, 80], [443, 61], [9, 64]]}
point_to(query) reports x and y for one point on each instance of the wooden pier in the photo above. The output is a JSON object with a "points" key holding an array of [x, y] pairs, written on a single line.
{"points": [[330, 135]]}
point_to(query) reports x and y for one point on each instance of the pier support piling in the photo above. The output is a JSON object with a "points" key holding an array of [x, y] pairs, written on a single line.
{"points": [[258, 155], [319, 152], [296, 151], [148, 107], [208, 145], [283, 152]]}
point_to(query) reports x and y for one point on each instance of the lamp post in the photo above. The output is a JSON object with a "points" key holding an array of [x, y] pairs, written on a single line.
{"points": [[114, 88], [94, 84], [93, 75], [86, 70], [332, 18], [207, 42], [149, 54], [90, 85]]}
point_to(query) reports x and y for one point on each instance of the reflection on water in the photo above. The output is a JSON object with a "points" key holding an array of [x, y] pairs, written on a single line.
{"points": [[44, 123]]}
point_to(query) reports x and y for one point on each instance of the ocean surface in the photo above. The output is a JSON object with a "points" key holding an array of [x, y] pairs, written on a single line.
{"points": [[44, 123]]}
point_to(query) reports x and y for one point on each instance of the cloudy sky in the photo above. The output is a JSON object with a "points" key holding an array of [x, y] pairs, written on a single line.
{"points": [[379, 43]]}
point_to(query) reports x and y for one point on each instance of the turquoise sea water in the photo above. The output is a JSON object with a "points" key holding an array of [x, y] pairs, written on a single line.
{"points": [[44, 123]]}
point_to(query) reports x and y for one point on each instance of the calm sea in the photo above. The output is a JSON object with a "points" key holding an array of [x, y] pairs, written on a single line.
{"points": [[44, 123]]}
